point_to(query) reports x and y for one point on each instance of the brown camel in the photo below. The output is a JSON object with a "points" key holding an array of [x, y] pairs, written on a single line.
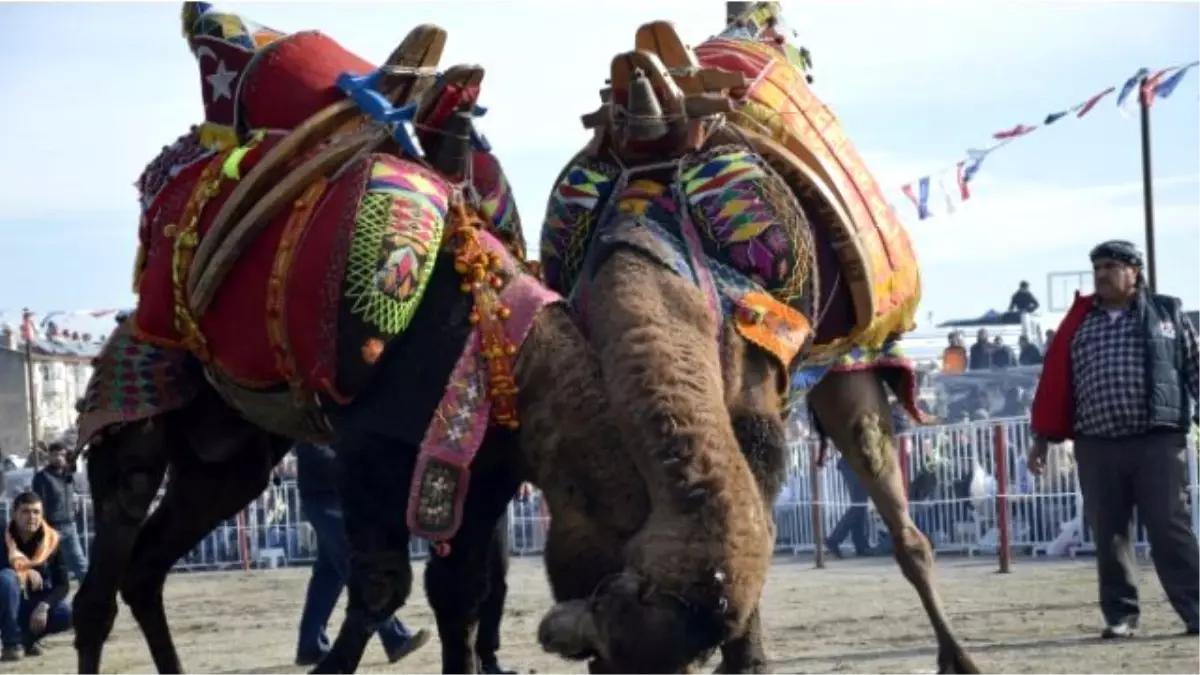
{"points": [[679, 212]]}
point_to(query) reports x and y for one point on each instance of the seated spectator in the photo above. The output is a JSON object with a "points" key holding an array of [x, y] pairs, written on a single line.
{"points": [[981, 351], [1023, 300], [954, 356], [1002, 355], [1029, 355], [33, 582]]}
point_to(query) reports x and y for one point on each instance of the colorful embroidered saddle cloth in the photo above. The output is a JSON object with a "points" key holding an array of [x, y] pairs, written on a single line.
{"points": [[783, 129], [716, 219], [133, 380], [480, 392]]}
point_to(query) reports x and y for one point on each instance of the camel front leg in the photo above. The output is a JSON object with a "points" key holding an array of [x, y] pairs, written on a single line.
{"points": [[694, 572], [752, 381], [853, 409], [374, 478]]}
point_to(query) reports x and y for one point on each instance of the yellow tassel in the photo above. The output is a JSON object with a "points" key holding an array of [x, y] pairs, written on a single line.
{"points": [[233, 164], [217, 137]]}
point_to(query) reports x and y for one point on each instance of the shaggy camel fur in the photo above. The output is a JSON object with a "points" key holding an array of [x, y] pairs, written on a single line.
{"points": [[694, 571], [558, 404]]}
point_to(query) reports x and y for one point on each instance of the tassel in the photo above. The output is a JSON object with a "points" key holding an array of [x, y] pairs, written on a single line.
{"points": [[217, 137], [191, 13]]}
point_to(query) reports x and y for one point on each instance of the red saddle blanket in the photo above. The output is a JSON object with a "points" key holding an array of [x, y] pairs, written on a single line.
{"points": [[275, 317]]}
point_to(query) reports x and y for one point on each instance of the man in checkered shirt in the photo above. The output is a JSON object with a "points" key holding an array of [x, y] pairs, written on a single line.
{"points": [[1121, 380]]}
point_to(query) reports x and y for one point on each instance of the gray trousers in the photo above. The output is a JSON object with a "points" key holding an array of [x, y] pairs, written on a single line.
{"points": [[1148, 472]]}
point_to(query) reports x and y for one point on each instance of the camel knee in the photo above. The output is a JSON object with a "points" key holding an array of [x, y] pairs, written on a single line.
{"points": [[93, 617], [763, 440], [141, 591], [912, 550], [380, 583]]}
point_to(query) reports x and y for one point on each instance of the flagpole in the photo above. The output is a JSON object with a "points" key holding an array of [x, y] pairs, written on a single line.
{"points": [[1144, 100], [27, 330]]}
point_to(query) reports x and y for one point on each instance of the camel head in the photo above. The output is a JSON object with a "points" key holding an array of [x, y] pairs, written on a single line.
{"points": [[634, 628]]}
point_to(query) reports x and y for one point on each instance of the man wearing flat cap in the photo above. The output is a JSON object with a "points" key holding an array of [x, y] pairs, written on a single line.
{"points": [[1120, 379]]}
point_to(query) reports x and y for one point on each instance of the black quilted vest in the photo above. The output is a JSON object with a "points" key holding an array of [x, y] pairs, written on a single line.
{"points": [[1166, 386]]}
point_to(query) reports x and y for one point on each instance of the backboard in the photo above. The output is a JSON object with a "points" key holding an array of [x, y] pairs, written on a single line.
{"points": [[1061, 288]]}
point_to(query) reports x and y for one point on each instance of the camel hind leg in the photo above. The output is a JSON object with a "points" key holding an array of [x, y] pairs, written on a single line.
{"points": [[853, 409], [199, 496], [125, 470]]}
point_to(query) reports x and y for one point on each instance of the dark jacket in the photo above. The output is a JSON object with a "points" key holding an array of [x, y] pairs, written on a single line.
{"points": [[981, 356], [57, 491], [1030, 355], [1002, 357], [316, 467], [54, 573]]}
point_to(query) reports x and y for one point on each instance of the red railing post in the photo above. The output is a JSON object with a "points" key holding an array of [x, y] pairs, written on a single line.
{"points": [[1000, 450], [814, 482], [243, 541]]}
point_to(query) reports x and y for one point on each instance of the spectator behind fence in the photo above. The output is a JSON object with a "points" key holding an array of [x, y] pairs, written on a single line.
{"points": [[1023, 300], [1029, 355], [981, 351], [55, 484], [854, 523], [954, 356], [1121, 379], [33, 581], [1002, 355]]}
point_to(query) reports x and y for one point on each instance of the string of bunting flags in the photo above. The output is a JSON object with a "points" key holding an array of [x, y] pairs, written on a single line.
{"points": [[34, 328], [952, 185]]}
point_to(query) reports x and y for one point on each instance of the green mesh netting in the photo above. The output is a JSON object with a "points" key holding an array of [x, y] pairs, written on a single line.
{"points": [[392, 254]]}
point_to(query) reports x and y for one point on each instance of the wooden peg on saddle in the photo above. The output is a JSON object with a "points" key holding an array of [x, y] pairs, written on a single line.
{"points": [[445, 119], [661, 38], [698, 106], [412, 66], [647, 105]]}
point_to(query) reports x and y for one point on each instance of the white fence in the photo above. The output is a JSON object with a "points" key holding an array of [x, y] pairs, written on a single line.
{"points": [[969, 489]]}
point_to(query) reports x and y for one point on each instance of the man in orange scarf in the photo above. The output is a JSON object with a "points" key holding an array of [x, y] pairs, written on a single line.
{"points": [[33, 581]]}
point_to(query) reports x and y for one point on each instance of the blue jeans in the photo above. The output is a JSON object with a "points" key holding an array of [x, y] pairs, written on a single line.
{"points": [[15, 610], [72, 550], [855, 522], [329, 576]]}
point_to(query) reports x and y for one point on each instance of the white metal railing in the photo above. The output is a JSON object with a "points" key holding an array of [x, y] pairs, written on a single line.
{"points": [[969, 492]]}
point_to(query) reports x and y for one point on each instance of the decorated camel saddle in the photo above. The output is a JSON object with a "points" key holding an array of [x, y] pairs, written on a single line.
{"points": [[729, 140], [289, 238]]}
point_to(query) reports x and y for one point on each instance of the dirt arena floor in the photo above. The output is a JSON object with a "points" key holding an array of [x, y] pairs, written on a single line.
{"points": [[854, 616]]}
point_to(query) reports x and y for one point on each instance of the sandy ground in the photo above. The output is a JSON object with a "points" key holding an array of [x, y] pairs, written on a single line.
{"points": [[854, 616]]}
